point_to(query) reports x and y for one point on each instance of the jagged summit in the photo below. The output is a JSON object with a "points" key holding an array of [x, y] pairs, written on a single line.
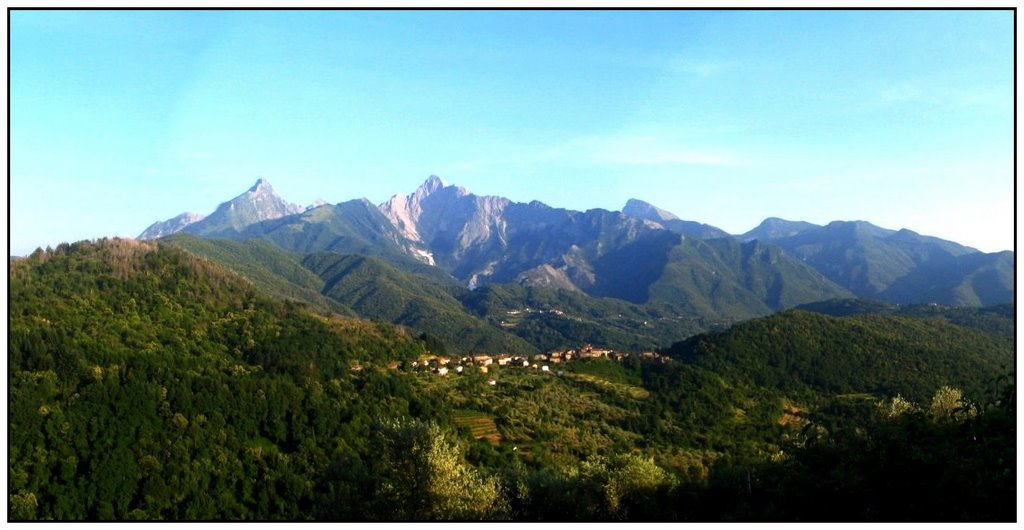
{"points": [[261, 185], [404, 210], [258, 203], [432, 184]]}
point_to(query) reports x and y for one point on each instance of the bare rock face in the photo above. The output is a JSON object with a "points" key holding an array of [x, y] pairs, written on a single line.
{"points": [[485, 222], [175, 224], [404, 211], [446, 218], [484, 239], [266, 203]]}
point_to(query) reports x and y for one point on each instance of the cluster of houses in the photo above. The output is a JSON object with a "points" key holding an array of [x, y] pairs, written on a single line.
{"points": [[527, 310], [482, 363], [558, 312]]}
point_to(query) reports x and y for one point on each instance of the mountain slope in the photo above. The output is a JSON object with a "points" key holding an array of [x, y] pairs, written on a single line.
{"points": [[976, 279], [902, 266], [774, 228], [374, 289], [273, 270], [633, 257], [173, 225], [797, 352], [648, 212], [259, 203], [148, 384], [996, 320], [484, 239], [112, 300], [548, 318], [726, 279], [353, 227], [560, 319]]}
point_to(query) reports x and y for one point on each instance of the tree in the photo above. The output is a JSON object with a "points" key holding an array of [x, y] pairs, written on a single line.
{"points": [[633, 486], [949, 404], [425, 476], [433, 344], [23, 506], [896, 407]]}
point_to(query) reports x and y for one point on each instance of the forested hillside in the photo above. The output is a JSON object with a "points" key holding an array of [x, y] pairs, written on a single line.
{"points": [[148, 384], [804, 353], [376, 290], [273, 270], [996, 319], [561, 319]]}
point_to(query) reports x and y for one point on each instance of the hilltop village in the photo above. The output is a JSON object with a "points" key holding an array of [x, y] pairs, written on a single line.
{"points": [[482, 363]]}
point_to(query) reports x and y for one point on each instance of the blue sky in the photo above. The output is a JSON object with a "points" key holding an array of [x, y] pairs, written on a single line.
{"points": [[901, 118]]}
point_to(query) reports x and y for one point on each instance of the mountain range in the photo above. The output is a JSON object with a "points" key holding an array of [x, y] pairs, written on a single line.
{"points": [[441, 242]]}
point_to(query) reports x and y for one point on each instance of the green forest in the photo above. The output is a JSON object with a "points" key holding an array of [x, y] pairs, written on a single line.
{"points": [[147, 383]]}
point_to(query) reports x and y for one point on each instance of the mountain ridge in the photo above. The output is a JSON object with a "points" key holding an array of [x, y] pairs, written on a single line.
{"points": [[670, 221], [630, 254]]}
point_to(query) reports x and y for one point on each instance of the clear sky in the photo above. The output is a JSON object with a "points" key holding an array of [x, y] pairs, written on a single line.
{"points": [[901, 118]]}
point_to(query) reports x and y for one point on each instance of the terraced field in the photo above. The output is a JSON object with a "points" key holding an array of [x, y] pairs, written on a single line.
{"points": [[480, 425], [631, 391]]}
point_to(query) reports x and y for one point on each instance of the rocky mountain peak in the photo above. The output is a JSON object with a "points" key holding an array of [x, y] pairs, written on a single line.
{"points": [[258, 203], [432, 184], [261, 186], [404, 211], [647, 211]]}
